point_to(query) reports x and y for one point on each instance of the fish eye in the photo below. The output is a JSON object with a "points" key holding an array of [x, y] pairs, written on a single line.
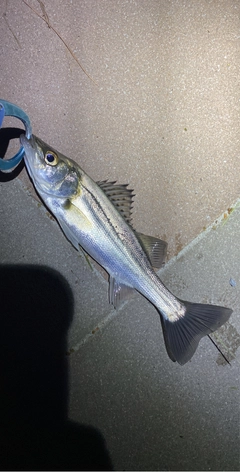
{"points": [[51, 158]]}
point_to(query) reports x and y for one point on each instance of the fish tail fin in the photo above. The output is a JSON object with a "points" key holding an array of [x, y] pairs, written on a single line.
{"points": [[182, 336]]}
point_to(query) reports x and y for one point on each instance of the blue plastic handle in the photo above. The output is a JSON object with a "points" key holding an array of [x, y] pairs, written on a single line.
{"points": [[9, 109]]}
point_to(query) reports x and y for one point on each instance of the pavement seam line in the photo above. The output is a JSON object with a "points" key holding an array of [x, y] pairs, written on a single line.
{"points": [[216, 224]]}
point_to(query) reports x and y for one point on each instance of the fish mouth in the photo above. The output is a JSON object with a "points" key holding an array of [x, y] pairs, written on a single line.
{"points": [[28, 145]]}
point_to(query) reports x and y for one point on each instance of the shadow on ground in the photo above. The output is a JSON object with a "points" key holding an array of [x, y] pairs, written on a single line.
{"points": [[6, 134], [36, 310]]}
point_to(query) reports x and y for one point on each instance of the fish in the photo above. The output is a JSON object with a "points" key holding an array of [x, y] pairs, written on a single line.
{"points": [[96, 216]]}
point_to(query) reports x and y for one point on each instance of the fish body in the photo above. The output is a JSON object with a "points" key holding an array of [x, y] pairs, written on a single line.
{"points": [[96, 216]]}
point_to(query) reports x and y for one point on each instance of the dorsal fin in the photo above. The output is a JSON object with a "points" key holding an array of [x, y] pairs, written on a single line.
{"points": [[155, 248], [120, 196]]}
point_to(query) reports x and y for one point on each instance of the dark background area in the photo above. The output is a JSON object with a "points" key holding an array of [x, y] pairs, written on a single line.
{"points": [[36, 310]]}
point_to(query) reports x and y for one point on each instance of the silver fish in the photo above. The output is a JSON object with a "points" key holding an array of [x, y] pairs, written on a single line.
{"points": [[96, 216]]}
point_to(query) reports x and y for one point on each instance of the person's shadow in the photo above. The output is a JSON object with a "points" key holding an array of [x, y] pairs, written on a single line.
{"points": [[36, 309]]}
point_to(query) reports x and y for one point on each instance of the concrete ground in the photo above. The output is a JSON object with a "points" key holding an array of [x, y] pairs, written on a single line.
{"points": [[153, 414], [164, 116]]}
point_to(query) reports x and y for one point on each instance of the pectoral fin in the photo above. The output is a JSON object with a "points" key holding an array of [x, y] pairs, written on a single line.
{"points": [[74, 219], [68, 233], [155, 248]]}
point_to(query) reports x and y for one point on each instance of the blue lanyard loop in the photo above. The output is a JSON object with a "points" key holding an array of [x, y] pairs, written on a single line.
{"points": [[9, 109]]}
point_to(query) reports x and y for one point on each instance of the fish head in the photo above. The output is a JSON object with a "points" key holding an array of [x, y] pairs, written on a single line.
{"points": [[52, 173]]}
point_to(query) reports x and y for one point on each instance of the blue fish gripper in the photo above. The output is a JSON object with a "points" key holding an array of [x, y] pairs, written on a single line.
{"points": [[9, 109]]}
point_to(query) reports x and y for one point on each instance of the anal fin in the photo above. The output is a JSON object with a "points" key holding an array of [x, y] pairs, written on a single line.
{"points": [[118, 292]]}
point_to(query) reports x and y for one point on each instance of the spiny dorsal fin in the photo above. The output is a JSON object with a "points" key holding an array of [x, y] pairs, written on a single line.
{"points": [[120, 196]]}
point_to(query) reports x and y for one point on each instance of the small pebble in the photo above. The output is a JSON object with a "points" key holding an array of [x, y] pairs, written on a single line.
{"points": [[232, 282]]}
